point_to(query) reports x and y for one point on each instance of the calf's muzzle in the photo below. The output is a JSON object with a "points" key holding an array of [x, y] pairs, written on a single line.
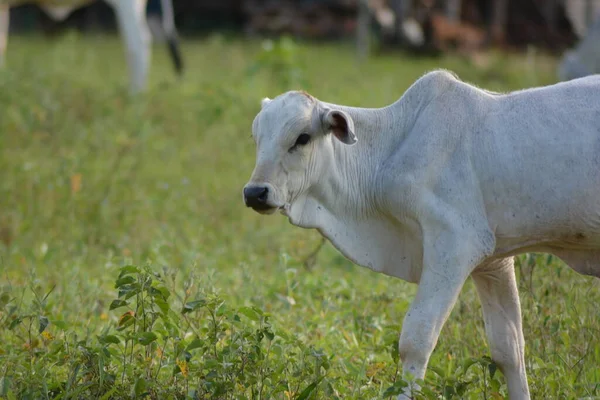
{"points": [[256, 197]]}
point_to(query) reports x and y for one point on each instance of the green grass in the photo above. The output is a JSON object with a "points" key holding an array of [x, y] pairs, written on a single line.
{"points": [[92, 180]]}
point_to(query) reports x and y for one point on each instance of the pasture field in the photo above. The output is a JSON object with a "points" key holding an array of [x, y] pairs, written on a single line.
{"points": [[130, 268]]}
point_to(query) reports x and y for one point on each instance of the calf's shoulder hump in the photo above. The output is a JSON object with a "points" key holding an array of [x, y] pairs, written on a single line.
{"points": [[421, 94], [432, 84]]}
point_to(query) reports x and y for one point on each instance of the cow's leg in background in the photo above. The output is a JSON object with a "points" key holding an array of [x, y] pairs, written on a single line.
{"points": [[161, 21], [131, 17], [4, 21], [168, 23], [497, 289]]}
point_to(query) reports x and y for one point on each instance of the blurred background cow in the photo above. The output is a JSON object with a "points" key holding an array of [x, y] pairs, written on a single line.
{"points": [[134, 18]]}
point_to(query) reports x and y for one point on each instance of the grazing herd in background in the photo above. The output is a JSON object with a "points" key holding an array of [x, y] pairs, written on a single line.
{"points": [[134, 17]]}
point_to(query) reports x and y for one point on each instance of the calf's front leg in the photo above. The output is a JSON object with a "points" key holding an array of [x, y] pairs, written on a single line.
{"points": [[426, 316], [446, 265], [497, 289]]}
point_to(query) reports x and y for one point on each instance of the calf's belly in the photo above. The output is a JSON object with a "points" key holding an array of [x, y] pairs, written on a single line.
{"points": [[569, 229]]}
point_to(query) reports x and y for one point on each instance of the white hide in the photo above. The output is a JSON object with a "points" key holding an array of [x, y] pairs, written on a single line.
{"points": [[584, 59], [448, 182], [131, 18]]}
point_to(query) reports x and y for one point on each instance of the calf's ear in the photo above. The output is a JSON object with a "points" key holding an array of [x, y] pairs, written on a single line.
{"points": [[340, 125]]}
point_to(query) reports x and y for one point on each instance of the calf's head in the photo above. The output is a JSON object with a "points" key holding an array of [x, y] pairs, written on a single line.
{"points": [[294, 136]]}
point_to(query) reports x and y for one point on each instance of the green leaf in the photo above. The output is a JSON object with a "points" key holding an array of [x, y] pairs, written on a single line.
{"points": [[4, 386], [140, 387], [395, 389], [126, 280], [395, 351], [492, 367], [163, 305], [125, 320], [128, 269], [309, 389], [128, 290], [277, 350], [114, 352], [43, 323], [427, 392], [60, 324], [196, 343], [146, 338], [211, 364], [461, 387], [495, 385], [109, 339], [156, 292], [440, 372], [108, 395], [449, 391], [117, 303], [468, 363], [193, 306], [14, 323], [250, 313], [285, 335], [4, 299], [191, 394], [269, 334]]}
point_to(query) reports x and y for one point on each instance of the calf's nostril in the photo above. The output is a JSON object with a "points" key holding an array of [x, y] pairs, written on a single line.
{"points": [[263, 196]]}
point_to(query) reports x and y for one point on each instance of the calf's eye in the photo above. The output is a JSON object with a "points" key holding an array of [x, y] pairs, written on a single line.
{"points": [[303, 139]]}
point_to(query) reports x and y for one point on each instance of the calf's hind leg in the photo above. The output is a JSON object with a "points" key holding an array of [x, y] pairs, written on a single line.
{"points": [[497, 289]]}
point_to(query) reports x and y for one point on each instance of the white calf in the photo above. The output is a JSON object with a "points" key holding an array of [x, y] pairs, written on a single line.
{"points": [[448, 182]]}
